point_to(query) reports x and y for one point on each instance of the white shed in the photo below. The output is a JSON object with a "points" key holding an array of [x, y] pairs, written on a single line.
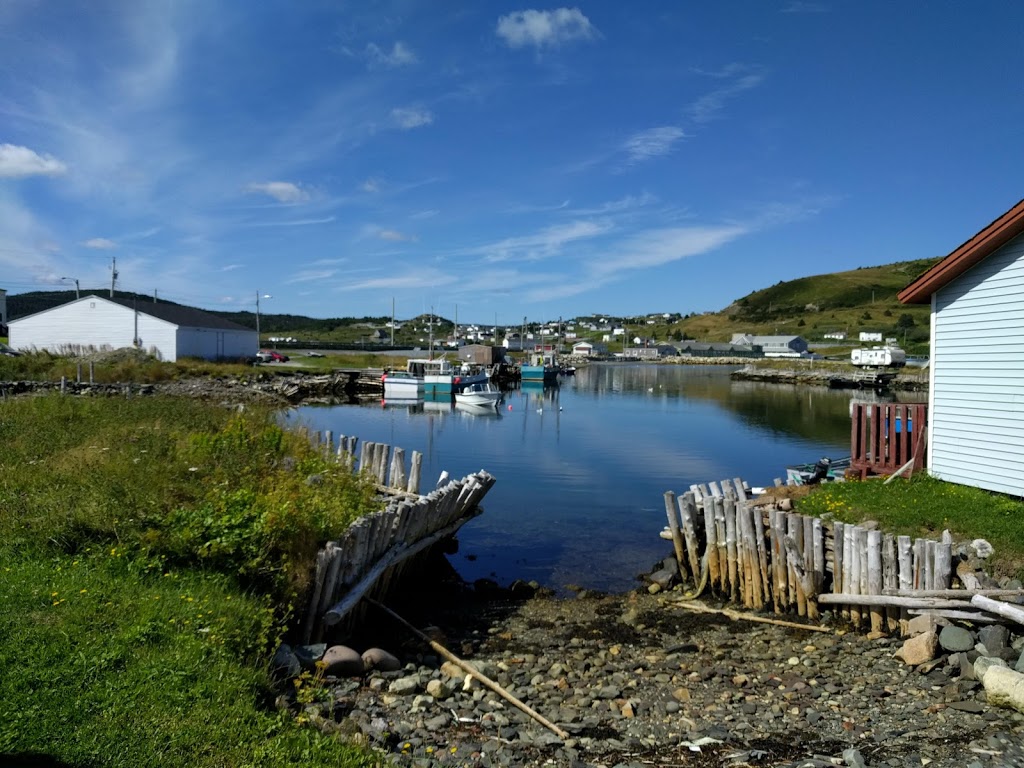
{"points": [[976, 369], [170, 331]]}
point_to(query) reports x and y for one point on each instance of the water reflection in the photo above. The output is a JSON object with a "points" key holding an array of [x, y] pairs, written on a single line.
{"points": [[582, 468]]}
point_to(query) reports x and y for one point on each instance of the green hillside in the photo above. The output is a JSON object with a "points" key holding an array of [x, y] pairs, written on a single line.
{"points": [[859, 300]]}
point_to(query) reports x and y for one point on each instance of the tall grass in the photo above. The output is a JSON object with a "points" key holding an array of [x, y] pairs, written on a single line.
{"points": [[150, 552]]}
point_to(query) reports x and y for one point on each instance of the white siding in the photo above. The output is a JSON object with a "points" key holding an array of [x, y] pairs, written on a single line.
{"points": [[976, 432], [92, 322]]}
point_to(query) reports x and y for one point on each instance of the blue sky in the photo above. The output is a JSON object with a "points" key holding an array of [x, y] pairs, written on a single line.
{"points": [[507, 159]]}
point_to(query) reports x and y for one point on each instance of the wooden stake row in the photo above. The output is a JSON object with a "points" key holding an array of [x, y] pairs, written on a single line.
{"points": [[374, 549], [770, 557]]}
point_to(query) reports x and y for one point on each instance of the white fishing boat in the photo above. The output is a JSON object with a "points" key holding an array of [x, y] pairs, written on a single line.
{"points": [[479, 393]]}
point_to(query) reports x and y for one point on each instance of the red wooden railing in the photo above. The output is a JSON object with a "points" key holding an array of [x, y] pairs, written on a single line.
{"points": [[884, 437]]}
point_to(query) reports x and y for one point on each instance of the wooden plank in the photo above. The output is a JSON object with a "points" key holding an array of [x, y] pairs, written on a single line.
{"points": [[711, 537], [890, 577], [874, 577], [688, 516], [729, 514], [677, 536], [762, 554], [414, 472], [398, 478], [943, 569], [723, 543], [854, 581]]}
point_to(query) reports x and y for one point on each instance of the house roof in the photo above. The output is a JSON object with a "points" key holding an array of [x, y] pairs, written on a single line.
{"points": [[179, 315], [171, 313], [979, 247]]}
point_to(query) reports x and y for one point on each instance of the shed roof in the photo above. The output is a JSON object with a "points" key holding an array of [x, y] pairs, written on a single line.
{"points": [[979, 247], [171, 313], [180, 315]]}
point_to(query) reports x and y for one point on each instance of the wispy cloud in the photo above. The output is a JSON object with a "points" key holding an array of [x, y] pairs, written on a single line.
{"points": [[294, 222], [311, 275], [544, 244], [545, 29], [18, 162], [737, 78], [627, 203], [395, 236], [400, 55], [653, 142], [415, 277], [100, 244], [425, 214], [230, 267], [657, 247], [370, 186], [408, 118], [282, 191]]}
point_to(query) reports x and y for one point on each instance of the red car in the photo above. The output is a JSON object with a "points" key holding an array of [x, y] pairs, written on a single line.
{"points": [[271, 356]]}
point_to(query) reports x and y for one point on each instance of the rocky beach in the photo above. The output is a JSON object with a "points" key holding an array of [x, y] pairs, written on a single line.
{"points": [[640, 679]]}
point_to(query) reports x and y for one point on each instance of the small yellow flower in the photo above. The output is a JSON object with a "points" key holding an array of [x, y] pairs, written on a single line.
{"points": [[82, 591]]}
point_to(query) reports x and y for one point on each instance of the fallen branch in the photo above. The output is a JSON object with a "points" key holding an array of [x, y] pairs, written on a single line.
{"points": [[737, 616], [472, 671]]}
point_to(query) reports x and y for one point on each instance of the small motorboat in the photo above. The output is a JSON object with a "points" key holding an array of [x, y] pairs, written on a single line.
{"points": [[825, 470], [479, 394]]}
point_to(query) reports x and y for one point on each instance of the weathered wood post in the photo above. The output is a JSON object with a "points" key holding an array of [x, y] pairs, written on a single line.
{"points": [[677, 536]]}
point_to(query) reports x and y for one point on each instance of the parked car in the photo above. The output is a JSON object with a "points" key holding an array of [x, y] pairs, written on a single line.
{"points": [[314, 354], [271, 356]]}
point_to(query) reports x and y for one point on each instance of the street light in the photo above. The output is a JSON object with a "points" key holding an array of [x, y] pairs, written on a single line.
{"points": [[75, 279], [265, 296]]}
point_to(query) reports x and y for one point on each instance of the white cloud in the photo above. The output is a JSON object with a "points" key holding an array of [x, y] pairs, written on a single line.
{"points": [[282, 191], [429, 213], [544, 244], [17, 162], [408, 118], [415, 279], [370, 186], [654, 142], [656, 247], [544, 28], [311, 275], [400, 55], [294, 222], [100, 244]]}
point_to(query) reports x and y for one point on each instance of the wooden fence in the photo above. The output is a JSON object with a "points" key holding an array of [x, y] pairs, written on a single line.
{"points": [[884, 437], [371, 554], [765, 558]]}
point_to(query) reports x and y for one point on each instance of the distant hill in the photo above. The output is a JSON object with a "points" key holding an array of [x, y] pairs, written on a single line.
{"points": [[859, 300]]}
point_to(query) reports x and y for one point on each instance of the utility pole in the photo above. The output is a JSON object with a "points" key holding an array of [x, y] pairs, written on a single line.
{"points": [[75, 280], [113, 275], [392, 321], [154, 295]]}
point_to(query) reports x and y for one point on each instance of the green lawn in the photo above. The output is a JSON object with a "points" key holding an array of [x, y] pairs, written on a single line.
{"points": [[924, 506]]}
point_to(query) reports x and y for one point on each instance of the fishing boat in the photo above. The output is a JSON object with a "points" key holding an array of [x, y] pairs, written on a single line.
{"points": [[824, 470], [479, 394], [541, 368]]}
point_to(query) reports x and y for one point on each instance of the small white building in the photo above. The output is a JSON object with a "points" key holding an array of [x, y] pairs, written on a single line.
{"points": [[976, 369], [871, 336], [836, 335], [588, 349], [169, 331]]}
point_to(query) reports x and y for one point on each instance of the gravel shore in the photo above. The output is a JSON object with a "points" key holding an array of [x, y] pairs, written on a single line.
{"points": [[637, 680]]}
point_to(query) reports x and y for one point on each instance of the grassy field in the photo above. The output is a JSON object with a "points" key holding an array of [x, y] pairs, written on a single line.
{"points": [[151, 551]]}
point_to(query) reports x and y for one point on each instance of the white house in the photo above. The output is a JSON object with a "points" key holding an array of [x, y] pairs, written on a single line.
{"points": [[976, 368], [588, 349], [870, 336], [168, 330], [836, 335]]}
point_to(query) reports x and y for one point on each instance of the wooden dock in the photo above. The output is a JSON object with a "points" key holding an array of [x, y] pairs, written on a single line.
{"points": [[370, 556]]}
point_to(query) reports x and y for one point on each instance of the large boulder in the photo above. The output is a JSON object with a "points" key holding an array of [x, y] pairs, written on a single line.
{"points": [[1004, 687], [919, 649]]}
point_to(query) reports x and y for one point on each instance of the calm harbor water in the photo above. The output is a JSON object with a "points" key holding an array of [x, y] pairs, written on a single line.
{"points": [[581, 468]]}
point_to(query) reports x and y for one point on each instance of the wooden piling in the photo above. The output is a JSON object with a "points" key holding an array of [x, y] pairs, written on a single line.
{"points": [[874, 577], [677, 536]]}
